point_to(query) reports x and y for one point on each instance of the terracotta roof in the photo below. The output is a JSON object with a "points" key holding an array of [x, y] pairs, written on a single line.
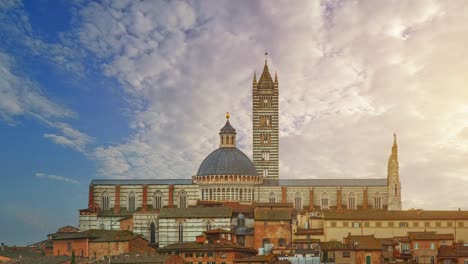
{"points": [[333, 245], [196, 212], [42, 260], [458, 249], [194, 246], [275, 215], [99, 235], [288, 205], [153, 259], [218, 231], [305, 240], [312, 231], [326, 182], [394, 215], [445, 237], [422, 235], [403, 239], [365, 242], [259, 258]]}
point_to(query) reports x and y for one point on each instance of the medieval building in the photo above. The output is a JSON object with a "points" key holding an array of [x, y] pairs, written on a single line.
{"points": [[228, 175]]}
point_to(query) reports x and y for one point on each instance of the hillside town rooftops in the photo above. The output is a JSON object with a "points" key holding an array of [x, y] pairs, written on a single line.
{"points": [[99, 235], [195, 246]]}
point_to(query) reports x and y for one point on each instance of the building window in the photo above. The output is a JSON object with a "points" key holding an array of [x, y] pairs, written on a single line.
{"points": [[265, 172], [105, 201], [298, 201], [153, 233], [449, 224], [265, 139], [265, 121], [157, 200], [266, 101], [281, 242], [272, 197], [405, 247], [391, 224], [131, 201], [366, 224], [181, 233], [438, 224], [69, 246], [461, 224], [102, 226], [345, 224], [432, 260], [403, 224], [378, 224], [432, 245], [266, 155], [182, 199], [356, 224], [377, 201], [346, 254], [416, 245], [415, 224], [333, 224], [427, 224], [324, 201], [352, 201]]}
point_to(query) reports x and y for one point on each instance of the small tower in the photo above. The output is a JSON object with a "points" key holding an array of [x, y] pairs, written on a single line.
{"points": [[393, 179], [265, 124], [227, 135]]}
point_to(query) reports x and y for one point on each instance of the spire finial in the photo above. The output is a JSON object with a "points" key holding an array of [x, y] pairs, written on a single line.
{"points": [[394, 138], [227, 115], [255, 77], [266, 56]]}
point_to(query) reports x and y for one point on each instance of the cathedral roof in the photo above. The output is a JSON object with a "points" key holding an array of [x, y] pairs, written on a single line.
{"points": [[227, 128], [227, 161], [325, 182]]}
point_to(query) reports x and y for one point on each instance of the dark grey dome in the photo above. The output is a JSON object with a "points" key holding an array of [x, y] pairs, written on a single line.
{"points": [[227, 161]]}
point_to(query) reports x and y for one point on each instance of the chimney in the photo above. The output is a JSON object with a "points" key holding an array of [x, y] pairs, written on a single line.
{"points": [[91, 196], [284, 196]]}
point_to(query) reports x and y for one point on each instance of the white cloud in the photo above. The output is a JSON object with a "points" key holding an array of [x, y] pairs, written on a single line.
{"points": [[55, 178], [351, 73]]}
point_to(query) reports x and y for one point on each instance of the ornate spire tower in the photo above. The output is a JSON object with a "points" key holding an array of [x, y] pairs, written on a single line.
{"points": [[393, 179], [266, 124]]}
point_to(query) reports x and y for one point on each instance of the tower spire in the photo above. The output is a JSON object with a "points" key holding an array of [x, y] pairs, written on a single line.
{"points": [[266, 58], [276, 77], [395, 147], [255, 77]]}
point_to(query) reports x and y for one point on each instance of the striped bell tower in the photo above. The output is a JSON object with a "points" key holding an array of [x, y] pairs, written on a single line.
{"points": [[266, 124]]}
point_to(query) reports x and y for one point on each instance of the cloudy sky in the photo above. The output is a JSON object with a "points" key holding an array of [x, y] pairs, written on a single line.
{"points": [[139, 89]]}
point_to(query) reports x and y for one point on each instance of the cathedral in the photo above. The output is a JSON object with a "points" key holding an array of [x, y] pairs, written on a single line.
{"points": [[227, 175]]}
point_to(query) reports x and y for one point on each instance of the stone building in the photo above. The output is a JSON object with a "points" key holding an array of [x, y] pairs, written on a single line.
{"points": [[229, 175]]}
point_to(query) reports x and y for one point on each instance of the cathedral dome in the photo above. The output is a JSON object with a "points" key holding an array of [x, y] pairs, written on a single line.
{"points": [[227, 159]]}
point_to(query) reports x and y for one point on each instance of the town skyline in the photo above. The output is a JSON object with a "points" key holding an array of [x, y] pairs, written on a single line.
{"points": [[123, 91]]}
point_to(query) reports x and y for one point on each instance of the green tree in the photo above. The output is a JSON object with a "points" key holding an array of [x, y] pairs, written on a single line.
{"points": [[73, 257]]}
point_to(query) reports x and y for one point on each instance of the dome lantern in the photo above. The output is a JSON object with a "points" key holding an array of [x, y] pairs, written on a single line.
{"points": [[227, 135]]}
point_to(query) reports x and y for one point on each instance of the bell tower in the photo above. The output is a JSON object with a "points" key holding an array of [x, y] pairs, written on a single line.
{"points": [[393, 178], [265, 124]]}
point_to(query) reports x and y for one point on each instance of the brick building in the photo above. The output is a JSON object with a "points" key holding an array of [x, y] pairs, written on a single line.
{"points": [[216, 246], [272, 228], [98, 244]]}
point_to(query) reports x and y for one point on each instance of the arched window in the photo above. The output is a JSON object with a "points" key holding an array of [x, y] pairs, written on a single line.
{"points": [[181, 233], [265, 172], [298, 201], [396, 190], [102, 226], [325, 202], [182, 199], [265, 242], [153, 233], [377, 201], [157, 200], [272, 197], [131, 201], [105, 201], [352, 201]]}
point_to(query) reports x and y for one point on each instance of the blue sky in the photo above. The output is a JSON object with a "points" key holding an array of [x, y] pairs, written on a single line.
{"points": [[139, 89]]}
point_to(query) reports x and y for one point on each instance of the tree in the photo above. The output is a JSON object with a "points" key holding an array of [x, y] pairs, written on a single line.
{"points": [[73, 257]]}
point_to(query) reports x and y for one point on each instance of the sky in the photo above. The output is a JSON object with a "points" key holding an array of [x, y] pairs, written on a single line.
{"points": [[139, 89]]}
